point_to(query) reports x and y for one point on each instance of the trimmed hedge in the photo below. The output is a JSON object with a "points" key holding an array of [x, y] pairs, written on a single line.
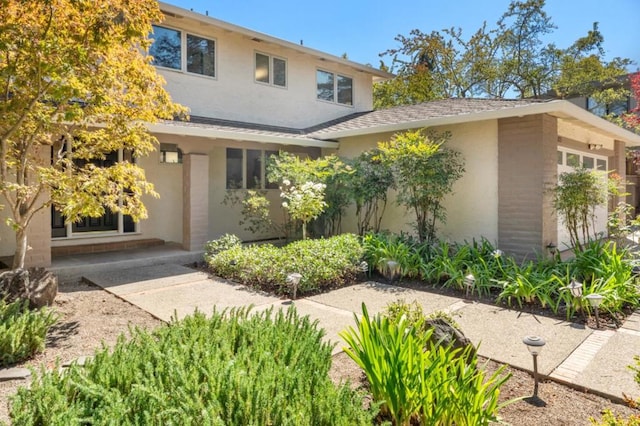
{"points": [[323, 263], [230, 368]]}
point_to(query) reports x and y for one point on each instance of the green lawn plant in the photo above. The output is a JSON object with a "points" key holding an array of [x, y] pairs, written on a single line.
{"points": [[22, 331], [417, 382], [233, 367]]}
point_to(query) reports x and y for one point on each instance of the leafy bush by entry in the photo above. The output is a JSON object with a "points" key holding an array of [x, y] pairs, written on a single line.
{"points": [[213, 247], [323, 263], [22, 331], [232, 368]]}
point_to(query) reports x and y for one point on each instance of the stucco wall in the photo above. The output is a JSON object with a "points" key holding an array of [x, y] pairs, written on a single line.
{"points": [[234, 95], [472, 209]]}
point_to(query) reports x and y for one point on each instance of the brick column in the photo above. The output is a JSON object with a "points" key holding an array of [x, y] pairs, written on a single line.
{"points": [[39, 240], [195, 201]]}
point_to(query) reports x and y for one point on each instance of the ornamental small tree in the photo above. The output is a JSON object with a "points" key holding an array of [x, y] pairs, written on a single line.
{"points": [[369, 185], [424, 171], [77, 85], [303, 203], [575, 199]]}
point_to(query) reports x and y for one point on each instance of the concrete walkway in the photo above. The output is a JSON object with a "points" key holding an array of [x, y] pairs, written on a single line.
{"points": [[594, 360]]}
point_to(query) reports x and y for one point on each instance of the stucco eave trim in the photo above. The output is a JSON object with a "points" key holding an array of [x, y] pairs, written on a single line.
{"points": [[202, 132]]}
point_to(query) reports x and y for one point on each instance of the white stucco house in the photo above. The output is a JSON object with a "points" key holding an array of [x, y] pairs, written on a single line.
{"points": [[250, 95]]}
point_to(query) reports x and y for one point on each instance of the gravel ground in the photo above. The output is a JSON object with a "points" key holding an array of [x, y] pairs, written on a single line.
{"points": [[90, 316]]}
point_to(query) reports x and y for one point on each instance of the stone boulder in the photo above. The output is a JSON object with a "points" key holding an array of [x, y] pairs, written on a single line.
{"points": [[444, 333], [36, 285]]}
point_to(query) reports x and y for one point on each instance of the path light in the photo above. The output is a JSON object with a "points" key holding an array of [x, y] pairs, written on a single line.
{"points": [[391, 270], [552, 249], [595, 300], [575, 287], [469, 282], [293, 280], [534, 344]]}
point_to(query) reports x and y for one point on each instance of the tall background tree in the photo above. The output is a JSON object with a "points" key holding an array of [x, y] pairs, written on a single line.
{"points": [[511, 59], [76, 84]]}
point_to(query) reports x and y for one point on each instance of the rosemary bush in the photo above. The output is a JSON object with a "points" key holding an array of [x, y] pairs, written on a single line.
{"points": [[22, 331], [230, 368]]}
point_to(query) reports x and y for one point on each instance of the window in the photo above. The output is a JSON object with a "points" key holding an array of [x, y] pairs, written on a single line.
{"points": [[334, 87], [110, 222], [170, 153], [201, 54], [168, 47], [573, 160], [588, 162], [560, 157], [271, 70], [246, 168], [601, 109]]}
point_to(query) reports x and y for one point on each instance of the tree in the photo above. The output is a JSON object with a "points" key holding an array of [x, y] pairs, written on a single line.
{"points": [[304, 202], [76, 85], [369, 185], [631, 120], [424, 171], [511, 59], [575, 199]]}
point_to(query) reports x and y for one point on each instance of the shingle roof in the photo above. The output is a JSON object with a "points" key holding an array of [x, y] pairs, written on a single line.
{"points": [[435, 113], [419, 112], [216, 124]]}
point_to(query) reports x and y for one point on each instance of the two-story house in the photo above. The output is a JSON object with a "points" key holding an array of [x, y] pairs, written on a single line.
{"points": [[250, 95]]}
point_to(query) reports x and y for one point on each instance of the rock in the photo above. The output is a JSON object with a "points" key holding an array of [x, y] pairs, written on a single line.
{"points": [[444, 333], [7, 374], [36, 285]]}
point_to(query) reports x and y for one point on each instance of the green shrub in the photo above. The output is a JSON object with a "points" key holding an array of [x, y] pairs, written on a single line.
{"points": [[432, 386], [22, 331], [610, 419], [381, 248], [323, 263], [231, 368], [213, 247]]}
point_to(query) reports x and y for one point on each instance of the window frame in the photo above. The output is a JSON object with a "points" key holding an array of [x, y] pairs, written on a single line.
{"points": [[335, 97], [271, 70], [184, 52], [264, 155]]}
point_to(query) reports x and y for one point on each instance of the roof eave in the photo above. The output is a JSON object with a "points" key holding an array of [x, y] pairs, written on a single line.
{"points": [[562, 107], [207, 133], [176, 11]]}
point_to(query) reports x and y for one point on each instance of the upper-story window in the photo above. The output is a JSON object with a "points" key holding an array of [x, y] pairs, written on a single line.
{"points": [[601, 109], [334, 87], [168, 47], [271, 70]]}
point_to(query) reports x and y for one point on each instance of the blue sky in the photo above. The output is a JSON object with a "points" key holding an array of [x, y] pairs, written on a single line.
{"points": [[363, 29]]}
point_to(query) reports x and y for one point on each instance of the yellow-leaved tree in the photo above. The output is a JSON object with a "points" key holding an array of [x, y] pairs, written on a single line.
{"points": [[76, 84]]}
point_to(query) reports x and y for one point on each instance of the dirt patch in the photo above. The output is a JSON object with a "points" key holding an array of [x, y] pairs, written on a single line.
{"points": [[90, 316]]}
